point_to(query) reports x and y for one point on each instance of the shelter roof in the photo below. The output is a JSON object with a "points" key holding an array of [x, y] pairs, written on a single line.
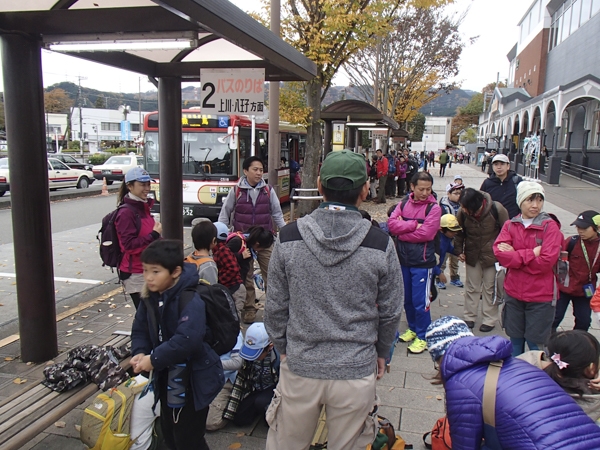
{"points": [[356, 110], [221, 35]]}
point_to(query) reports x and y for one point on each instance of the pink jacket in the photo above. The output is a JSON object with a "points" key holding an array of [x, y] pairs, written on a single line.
{"points": [[530, 278]]}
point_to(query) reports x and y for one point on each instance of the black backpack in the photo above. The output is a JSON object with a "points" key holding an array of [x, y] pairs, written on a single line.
{"points": [[222, 322], [110, 250]]}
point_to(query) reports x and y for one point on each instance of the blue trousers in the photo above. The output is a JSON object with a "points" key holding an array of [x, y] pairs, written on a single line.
{"points": [[417, 286]]}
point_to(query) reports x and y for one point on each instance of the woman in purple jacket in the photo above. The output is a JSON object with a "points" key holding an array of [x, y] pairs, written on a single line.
{"points": [[136, 229], [532, 411]]}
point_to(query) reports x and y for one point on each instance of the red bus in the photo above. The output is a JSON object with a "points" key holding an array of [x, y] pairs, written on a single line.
{"points": [[213, 150]]}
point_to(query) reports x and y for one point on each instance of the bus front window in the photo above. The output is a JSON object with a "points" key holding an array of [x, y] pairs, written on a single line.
{"points": [[203, 155]]}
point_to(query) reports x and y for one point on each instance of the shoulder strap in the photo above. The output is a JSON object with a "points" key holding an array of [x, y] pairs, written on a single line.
{"points": [[494, 212], [571, 244], [404, 202], [185, 298], [138, 219], [516, 179], [489, 392], [428, 209], [376, 238]]}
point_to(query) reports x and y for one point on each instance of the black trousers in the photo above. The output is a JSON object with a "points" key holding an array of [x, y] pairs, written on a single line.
{"points": [[183, 428], [442, 170], [581, 311], [253, 406]]}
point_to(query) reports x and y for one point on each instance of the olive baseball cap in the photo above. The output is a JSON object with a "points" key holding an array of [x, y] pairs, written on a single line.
{"points": [[344, 164]]}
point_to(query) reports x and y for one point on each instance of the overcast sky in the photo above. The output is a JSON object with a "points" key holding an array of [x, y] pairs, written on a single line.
{"points": [[494, 21]]}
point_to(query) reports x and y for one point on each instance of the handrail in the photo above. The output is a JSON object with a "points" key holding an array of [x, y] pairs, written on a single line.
{"points": [[303, 197], [582, 172]]}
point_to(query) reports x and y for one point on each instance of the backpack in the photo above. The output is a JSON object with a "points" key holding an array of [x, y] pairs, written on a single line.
{"points": [[222, 322], [238, 191], [108, 239], [294, 166], [386, 437], [391, 165], [106, 421], [440, 436]]}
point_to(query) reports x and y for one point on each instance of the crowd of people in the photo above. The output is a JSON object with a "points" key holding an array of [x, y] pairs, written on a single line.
{"points": [[319, 346]]}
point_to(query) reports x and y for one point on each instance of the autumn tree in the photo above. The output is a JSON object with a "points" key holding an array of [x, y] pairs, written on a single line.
{"points": [[416, 127], [411, 65], [57, 101]]}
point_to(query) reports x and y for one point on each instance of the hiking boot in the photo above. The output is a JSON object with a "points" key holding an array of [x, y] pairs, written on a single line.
{"points": [[249, 316], [408, 336], [457, 283], [470, 324], [440, 285], [486, 328], [418, 346]]}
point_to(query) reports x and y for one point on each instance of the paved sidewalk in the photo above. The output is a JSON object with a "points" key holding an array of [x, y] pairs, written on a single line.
{"points": [[407, 396]]}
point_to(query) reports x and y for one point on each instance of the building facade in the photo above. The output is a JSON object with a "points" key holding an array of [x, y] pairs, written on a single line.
{"points": [[437, 133], [553, 88]]}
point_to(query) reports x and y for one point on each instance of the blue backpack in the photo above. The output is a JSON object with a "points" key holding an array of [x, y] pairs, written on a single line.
{"points": [[391, 165], [294, 166]]}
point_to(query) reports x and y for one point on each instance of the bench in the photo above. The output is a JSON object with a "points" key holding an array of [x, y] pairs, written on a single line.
{"points": [[29, 412]]}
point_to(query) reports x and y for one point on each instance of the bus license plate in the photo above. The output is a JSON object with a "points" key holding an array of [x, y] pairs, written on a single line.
{"points": [[187, 211]]}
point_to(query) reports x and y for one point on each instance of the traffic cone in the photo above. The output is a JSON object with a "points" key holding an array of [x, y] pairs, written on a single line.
{"points": [[104, 187]]}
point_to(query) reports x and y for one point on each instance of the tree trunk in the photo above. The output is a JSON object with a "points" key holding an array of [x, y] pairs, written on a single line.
{"points": [[314, 145]]}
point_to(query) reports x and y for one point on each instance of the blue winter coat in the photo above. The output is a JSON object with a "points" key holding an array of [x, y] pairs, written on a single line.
{"points": [[182, 338], [532, 411]]}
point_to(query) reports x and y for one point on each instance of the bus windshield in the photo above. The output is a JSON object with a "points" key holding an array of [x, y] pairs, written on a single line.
{"points": [[203, 155]]}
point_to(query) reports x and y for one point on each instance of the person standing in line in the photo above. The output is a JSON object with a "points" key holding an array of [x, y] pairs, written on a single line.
{"points": [[253, 202], [502, 184], [473, 245], [416, 223], [332, 345], [136, 229], [374, 182], [490, 163], [582, 253], [529, 246], [450, 205], [401, 168], [382, 175], [443, 160]]}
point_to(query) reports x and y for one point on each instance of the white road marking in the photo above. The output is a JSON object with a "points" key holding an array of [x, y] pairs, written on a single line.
{"points": [[66, 280]]}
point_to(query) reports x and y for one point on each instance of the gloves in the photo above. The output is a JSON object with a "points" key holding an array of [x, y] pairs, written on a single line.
{"points": [[395, 178]]}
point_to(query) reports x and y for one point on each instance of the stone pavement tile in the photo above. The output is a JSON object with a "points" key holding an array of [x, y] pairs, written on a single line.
{"points": [[417, 399], [219, 440], [394, 378], [57, 442], [36, 440], [415, 439], [391, 413], [413, 363], [422, 381], [415, 421], [71, 419]]}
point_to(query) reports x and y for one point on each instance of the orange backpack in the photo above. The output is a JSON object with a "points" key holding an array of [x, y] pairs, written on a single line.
{"points": [[440, 436]]}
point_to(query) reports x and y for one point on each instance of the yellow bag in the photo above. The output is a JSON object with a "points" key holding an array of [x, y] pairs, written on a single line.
{"points": [[105, 423], [386, 438]]}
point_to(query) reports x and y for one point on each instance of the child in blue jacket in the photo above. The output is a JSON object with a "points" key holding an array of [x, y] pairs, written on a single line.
{"points": [[168, 339], [449, 227]]}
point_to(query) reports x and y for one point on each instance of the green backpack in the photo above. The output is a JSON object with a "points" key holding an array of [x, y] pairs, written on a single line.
{"points": [[106, 422]]}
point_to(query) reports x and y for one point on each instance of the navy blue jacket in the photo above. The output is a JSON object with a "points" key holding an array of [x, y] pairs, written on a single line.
{"points": [[504, 192], [532, 411], [182, 338]]}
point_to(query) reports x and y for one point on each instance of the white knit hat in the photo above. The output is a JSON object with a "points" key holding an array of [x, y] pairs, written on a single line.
{"points": [[526, 189]]}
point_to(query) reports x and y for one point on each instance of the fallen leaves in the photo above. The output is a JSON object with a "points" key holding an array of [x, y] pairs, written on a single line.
{"points": [[9, 358], [19, 380], [235, 445], [60, 424]]}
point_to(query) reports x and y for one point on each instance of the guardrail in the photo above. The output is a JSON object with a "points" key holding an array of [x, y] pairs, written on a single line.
{"points": [[582, 172], [303, 197]]}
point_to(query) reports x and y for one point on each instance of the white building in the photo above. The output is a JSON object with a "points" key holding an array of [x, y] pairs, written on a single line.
{"points": [[105, 126], [437, 133]]}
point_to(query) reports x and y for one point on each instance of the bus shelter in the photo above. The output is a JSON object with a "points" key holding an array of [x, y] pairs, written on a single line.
{"points": [[347, 120], [168, 41]]}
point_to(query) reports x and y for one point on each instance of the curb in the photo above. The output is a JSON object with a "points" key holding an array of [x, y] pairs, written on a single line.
{"points": [[55, 196]]}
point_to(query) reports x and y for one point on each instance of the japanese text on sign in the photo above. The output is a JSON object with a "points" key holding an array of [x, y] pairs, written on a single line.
{"points": [[232, 91]]}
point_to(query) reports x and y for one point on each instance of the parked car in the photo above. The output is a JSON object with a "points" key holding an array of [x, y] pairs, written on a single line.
{"points": [[4, 185], [59, 176], [71, 162], [115, 167]]}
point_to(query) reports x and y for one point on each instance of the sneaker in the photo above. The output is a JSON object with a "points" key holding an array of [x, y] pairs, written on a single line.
{"points": [[440, 285], [418, 346], [457, 283], [408, 336]]}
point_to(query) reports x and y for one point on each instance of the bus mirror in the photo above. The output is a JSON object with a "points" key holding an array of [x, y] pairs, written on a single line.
{"points": [[233, 137]]}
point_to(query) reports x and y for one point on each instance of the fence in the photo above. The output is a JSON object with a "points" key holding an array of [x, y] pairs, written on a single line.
{"points": [[303, 197], [582, 172]]}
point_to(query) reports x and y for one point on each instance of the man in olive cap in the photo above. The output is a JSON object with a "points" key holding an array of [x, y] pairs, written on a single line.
{"points": [[332, 310]]}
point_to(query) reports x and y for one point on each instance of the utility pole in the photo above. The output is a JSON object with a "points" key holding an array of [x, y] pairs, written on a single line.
{"points": [[79, 100], [139, 145]]}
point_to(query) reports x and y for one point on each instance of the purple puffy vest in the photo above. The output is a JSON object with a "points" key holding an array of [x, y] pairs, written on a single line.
{"points": [[246, 214]]}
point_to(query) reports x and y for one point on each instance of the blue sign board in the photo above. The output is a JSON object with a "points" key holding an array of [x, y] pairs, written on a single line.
{"points": [[223, 121], [125, 130]]}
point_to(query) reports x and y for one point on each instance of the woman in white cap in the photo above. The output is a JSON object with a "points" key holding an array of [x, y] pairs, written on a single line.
{"points": [[136, 229], [528, 246]]}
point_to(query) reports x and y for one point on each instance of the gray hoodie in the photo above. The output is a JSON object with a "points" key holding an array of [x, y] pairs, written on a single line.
{"points": [[335, 295]]}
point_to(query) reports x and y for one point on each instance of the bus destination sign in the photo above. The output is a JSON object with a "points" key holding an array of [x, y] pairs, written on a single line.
{"points": [[232, 91]]}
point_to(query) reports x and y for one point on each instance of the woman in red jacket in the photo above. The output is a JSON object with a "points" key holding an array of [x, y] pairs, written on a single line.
{"points": [[136, 229], [528, 246], [583, 254]]}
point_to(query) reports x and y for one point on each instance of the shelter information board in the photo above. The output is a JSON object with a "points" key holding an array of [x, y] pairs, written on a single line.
{"points": [[232, 91]]}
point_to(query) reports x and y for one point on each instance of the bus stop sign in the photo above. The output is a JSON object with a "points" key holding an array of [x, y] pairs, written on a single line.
{"points": [[232, 91]]}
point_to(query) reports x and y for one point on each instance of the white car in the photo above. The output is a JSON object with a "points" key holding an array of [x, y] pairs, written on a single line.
{"points": [[59, 176], [115, 167]]}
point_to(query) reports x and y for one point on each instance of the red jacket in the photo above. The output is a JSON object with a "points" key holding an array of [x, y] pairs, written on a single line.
{"points": [[132, 242], [382, 167], [579, 272], [530, 278]]}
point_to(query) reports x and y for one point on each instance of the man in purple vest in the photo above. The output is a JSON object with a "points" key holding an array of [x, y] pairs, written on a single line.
{"points": [[253, 202]]}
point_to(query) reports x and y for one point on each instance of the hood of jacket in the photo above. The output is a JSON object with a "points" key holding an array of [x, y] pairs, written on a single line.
{"points": [[537, 222], [243, 183], [333, 235], [509, 175], [188, 278], [467, 352]]}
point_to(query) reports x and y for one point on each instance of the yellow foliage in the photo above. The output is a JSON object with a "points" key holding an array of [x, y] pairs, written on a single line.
{"points": [[292, 104]]}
